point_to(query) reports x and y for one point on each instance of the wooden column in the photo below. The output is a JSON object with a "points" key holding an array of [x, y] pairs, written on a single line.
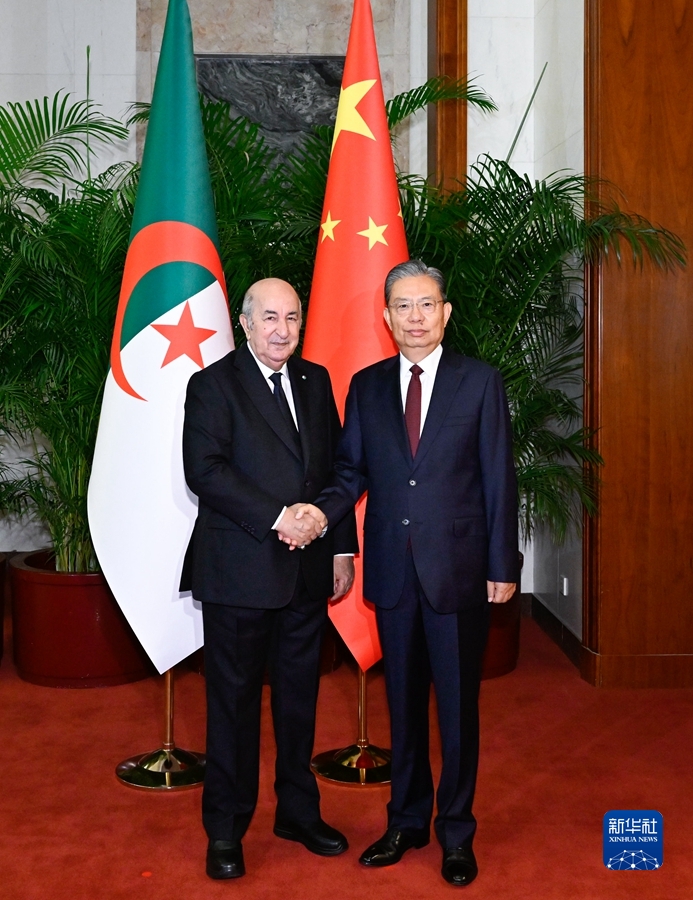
{"points": [[638, 611], [447, 133]]}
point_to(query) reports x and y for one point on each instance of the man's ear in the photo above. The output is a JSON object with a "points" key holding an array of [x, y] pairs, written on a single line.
{"points": [[386, 315], [243, 319]]}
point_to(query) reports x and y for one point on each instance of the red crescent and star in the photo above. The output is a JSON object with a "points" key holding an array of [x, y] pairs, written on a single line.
{"points": [[185, 338], [155, 245]]}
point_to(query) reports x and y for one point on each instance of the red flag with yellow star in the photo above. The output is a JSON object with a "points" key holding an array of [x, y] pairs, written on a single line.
{"points": [[361, 239]]}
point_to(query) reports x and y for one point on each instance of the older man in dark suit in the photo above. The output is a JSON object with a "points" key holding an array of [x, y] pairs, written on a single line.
{"points": [[427, 433], [260, 433]]}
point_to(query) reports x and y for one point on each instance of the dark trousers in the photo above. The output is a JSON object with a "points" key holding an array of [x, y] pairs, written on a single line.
{"points": [[421, 646], [239, 644]]}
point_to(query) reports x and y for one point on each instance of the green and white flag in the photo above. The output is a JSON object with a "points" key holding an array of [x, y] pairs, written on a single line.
{"points": [[172, 320]]}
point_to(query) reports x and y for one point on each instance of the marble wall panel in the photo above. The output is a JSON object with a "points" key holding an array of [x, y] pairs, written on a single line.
{"points": [[43, 48], [272, 26], [23, 38], [418, 73], [500, 57], [559, 125], [509, 42], [110, 29], [286, 96], [500, 9], [315, 27]]}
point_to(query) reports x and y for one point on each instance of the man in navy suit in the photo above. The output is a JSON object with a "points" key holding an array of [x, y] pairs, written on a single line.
{"points": [[427, 433]]}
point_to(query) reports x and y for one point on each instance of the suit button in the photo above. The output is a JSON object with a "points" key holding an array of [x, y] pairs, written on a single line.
{"points": [[405, 521], [412, 482]]}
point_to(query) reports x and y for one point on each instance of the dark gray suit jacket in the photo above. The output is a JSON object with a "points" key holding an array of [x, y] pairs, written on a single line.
{"points": [[243, 464]]}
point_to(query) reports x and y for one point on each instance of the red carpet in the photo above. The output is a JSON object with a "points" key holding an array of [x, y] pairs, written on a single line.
{"points": [[556, 755]]}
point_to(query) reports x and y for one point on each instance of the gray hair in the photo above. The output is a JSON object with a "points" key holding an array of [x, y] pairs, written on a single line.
{"points": [[412, 268], [247, 307]]}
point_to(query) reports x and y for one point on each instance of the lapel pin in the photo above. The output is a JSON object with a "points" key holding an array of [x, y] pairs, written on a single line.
{"points": [[303, 377]]}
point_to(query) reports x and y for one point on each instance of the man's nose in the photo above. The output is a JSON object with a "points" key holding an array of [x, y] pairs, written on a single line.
{"points": [[415, 315]]}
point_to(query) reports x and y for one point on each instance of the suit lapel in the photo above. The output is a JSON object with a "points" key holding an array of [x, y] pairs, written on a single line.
{"points": [[448, 377], [258, 390], [393, 404], [300, 388]]}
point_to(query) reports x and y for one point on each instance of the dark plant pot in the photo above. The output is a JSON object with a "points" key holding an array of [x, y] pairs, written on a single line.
{"points": [[3, 557], [68, 631], [503, 647]]}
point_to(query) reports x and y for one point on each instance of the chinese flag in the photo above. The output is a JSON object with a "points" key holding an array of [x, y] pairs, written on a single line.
{"points": [[361, 238]]}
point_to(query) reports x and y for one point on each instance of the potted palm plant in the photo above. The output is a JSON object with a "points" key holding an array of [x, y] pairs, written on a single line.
{"points": [[62, 246]]}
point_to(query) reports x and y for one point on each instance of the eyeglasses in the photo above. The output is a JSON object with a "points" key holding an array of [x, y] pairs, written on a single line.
{"points": [[404, 307]]}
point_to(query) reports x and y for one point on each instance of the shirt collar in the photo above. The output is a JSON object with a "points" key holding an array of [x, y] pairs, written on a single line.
{"points": [[266, 371], [428, 363]]}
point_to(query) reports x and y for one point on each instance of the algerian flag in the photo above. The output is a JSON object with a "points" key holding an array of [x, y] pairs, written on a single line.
{"points": [[172, 320]]}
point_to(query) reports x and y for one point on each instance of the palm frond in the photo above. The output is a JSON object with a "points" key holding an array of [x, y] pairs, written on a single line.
{"points": [[137, 113], [436, 90], [59, 283], [46, 142]]}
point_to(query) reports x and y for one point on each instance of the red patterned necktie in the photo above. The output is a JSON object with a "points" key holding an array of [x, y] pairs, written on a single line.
{"points": [[412, 409]]}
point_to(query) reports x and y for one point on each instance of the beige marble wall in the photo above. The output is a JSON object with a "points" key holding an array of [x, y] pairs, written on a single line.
{"points": [[318, 27], [43, 48], [500, 55], [559, 130], [509, 42]]}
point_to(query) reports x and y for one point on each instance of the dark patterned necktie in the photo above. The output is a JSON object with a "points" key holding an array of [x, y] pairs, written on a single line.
{"points": [[280, 397], [412, 409]]}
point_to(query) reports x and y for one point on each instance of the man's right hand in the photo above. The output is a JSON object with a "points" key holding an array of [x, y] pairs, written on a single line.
{"points": [[301, 524]]}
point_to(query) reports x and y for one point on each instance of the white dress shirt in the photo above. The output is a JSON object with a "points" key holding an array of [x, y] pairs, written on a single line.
{"points": [[286, 382], [429, 364]]}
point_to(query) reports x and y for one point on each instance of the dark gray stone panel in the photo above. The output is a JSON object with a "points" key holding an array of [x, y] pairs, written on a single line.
{"points": [[286, 96]]}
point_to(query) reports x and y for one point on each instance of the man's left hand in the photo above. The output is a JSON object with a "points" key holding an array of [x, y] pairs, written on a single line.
{"points": [[343, 576], [499, 591]]}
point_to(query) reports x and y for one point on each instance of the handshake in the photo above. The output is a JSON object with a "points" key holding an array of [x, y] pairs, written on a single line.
{"points": [[301, 524]]}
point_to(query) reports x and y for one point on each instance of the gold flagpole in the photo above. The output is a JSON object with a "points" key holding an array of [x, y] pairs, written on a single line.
{"points": [[169, 768], [360, 763]]}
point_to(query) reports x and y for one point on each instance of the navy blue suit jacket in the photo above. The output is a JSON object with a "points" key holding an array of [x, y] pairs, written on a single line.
{"points": [[456, 501]]}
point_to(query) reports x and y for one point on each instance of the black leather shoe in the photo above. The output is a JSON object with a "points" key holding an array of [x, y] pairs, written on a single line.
{"points": [[319, 837], [225, 859], [392, 846], [459, 866]]}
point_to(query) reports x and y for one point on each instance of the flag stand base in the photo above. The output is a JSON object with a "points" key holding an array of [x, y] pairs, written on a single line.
{"points": [[361, 763], [169, 768], [354, 765]]}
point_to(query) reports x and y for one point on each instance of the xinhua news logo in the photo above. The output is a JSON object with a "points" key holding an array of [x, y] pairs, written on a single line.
{"points": [[633, 840]]}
